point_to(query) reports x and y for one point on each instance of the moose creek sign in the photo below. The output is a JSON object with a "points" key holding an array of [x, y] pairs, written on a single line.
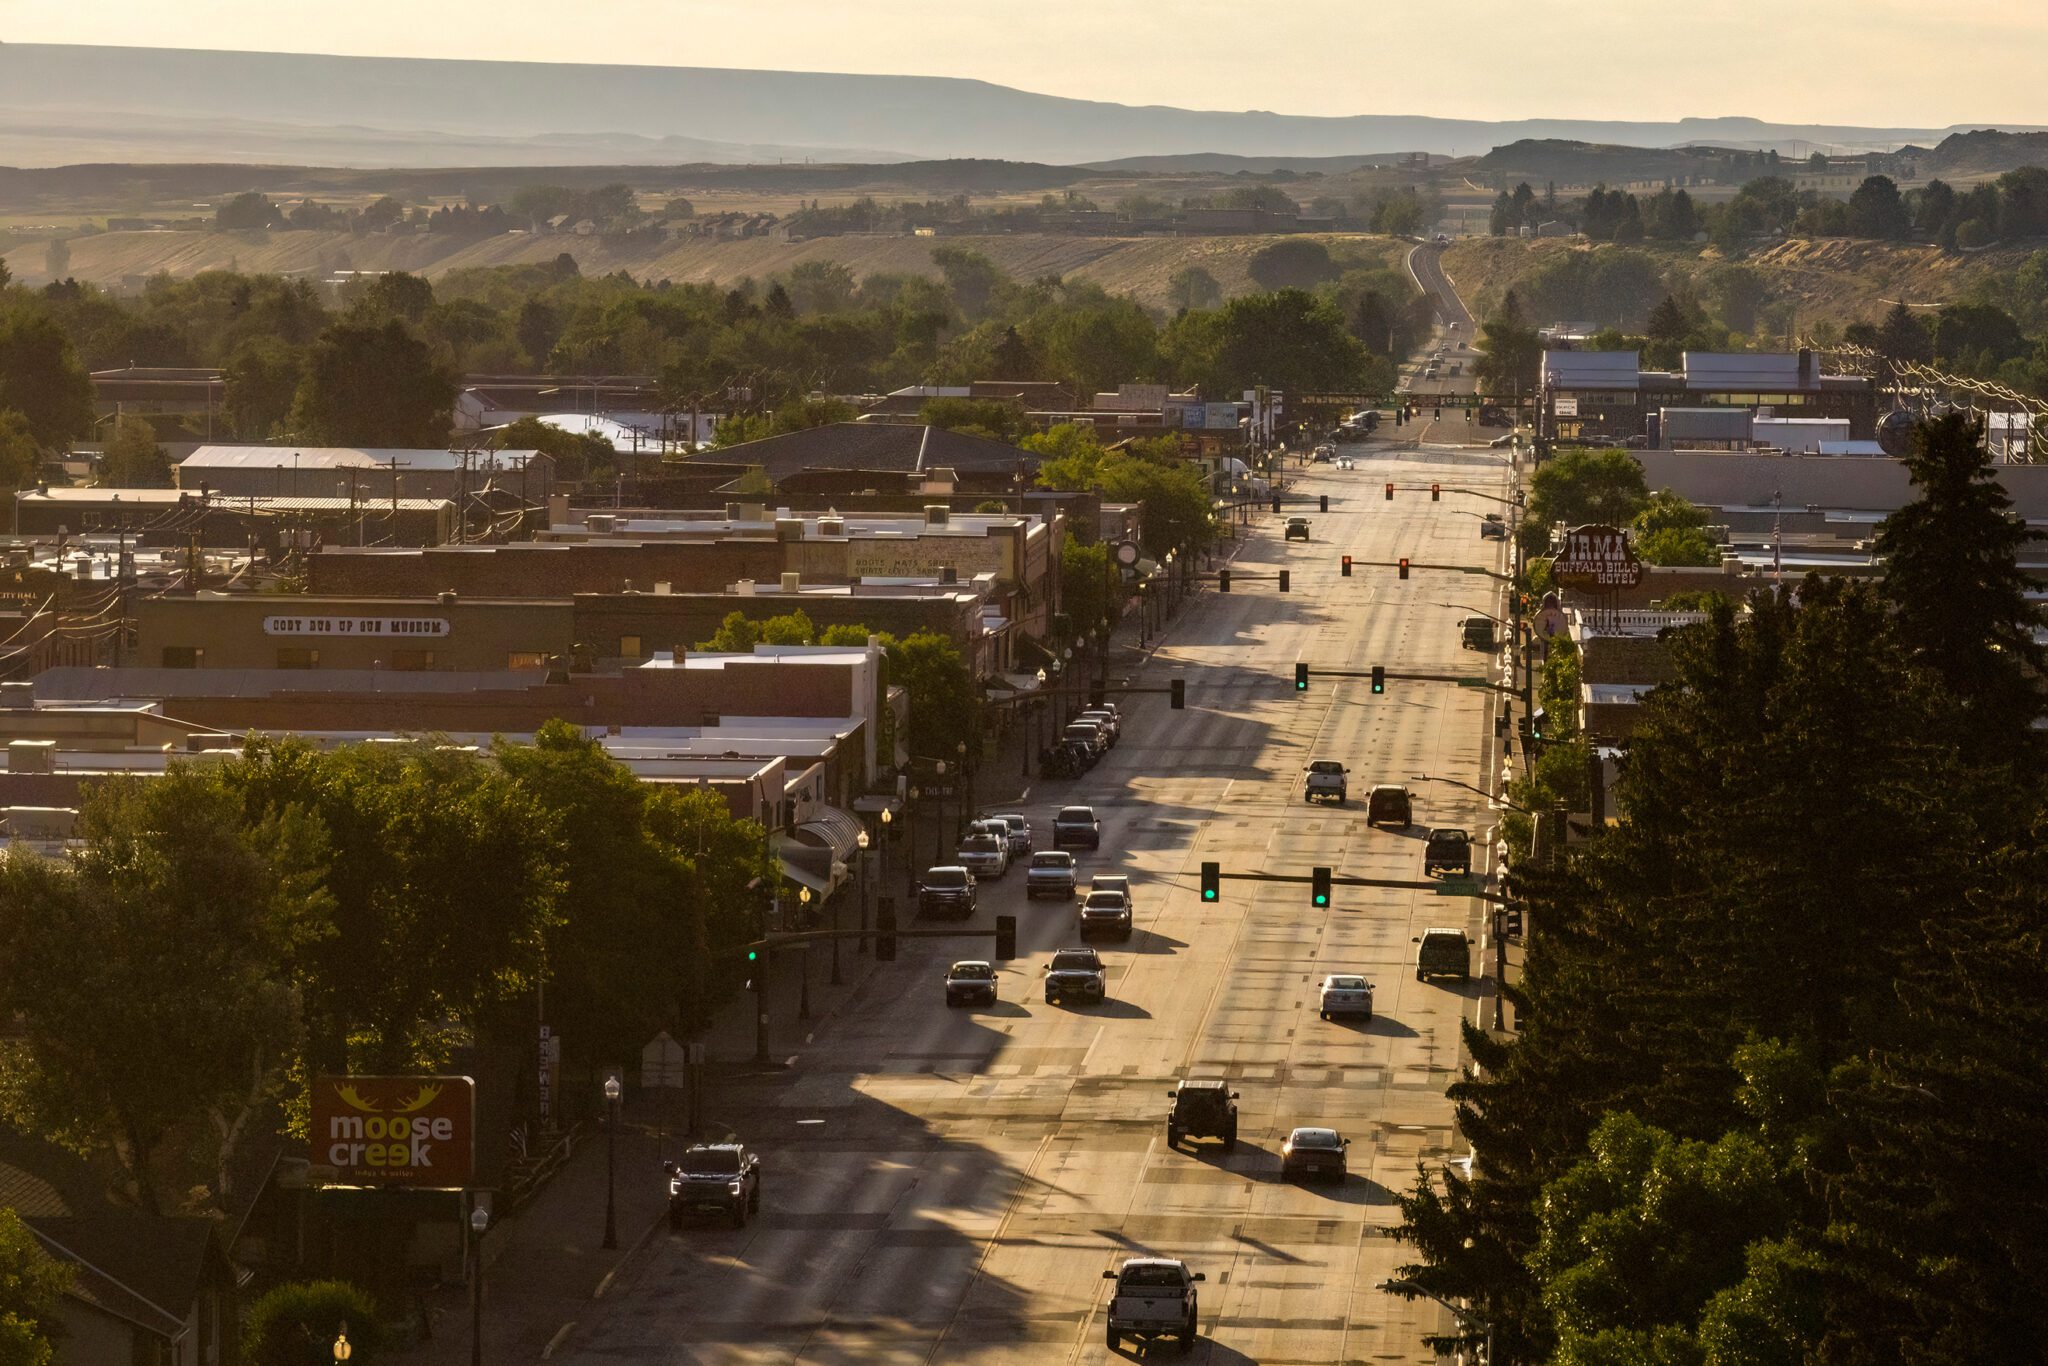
{"points": [[1597, 557], [417, 1132]]}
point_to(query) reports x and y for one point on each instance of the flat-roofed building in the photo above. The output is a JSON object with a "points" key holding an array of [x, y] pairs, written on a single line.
{"points": [[1594, 396]]}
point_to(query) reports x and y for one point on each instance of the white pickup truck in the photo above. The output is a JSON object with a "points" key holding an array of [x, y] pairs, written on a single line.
{"points": [[1154, 1298], [1324, 782]]}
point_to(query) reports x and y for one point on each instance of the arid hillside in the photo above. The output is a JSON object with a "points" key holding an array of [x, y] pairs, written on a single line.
{"points": [[1808, 280], [1139, 266]]}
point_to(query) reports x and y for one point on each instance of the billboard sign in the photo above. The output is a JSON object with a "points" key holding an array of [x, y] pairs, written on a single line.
{"points": [[1597, 557], [415, 1132], [434, 627]]}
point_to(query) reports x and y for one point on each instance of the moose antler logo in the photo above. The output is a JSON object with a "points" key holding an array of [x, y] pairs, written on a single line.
{"points": [[421, 1099]]}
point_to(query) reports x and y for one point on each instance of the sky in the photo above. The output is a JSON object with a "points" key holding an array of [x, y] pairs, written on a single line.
{"points": [[1928, 63]]}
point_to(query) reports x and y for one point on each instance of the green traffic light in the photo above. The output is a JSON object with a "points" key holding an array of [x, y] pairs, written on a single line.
{"points": [[1322, 901], [1208, 894], [753, 955]]}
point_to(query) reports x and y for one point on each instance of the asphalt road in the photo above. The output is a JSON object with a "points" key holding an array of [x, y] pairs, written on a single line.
{"points": [[948, 1185]]}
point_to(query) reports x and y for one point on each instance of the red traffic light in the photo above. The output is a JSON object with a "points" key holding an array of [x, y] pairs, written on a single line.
{"points": [[1390, 493], [1404, 566]]}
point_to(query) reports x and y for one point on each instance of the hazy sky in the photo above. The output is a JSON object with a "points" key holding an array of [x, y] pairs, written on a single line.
{"points": [[1898, 62]]}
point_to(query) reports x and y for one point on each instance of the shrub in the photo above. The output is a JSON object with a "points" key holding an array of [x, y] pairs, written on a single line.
{"points": [[296, 1323]]}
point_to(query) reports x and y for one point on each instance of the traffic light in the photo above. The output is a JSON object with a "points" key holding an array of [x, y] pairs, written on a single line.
{"points": [[1283, 581], [1319, 888], [1436, 493], [1223, 580], [1178, 694], [1212, 882], [1404, 566], [1347, 566], [1439, 412], [1301, 678], [885, 929], [1379, 679], [756, 978], [1326, 503], [1511, 922], [1006, 937], [1390, 492]]}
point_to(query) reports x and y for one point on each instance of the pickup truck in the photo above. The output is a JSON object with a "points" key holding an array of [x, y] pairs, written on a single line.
{"points": [[1154, 1298], [1325, 782]]}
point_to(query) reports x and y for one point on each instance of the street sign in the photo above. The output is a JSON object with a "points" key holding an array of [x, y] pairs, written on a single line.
{"points": [[416, 1131], [1597, 557], [1458, 886]]}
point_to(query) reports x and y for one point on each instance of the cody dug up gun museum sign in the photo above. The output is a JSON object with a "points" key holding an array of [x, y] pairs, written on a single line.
{"points": [[417, 1132]]}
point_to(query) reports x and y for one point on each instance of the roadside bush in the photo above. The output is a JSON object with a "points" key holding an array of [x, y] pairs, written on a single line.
{"points": [[296, 1324]]}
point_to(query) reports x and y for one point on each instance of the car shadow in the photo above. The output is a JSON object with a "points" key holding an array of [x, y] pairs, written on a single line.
{"points": [[1008, 1010], [1151, 941], [1354, 1189], [1382, 1025]]}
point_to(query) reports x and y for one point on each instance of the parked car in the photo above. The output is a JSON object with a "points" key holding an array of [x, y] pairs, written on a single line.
{"points": [[985, 855], [1389, 804], [1075, 973], [1051, 873], [1154, 1298], [1443, 953], [1447, 851], [719, 1176], [1089, 735], [970, 980], [1076, 826], [1019, 834], [1345, 994], [1107, 719], [1313, 1152], [1324, 781], [946, 890], [1297, 529], [1202, 1109], [1105, 913]]}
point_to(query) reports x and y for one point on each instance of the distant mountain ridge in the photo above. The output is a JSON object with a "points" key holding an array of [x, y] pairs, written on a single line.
{"points": [[62, 104]]}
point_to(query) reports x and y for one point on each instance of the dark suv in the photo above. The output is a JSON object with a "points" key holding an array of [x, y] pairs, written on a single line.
{"points": [[1448, 851], [721, 1176], [1076, 825], [1202, 1109], [946, 891]]}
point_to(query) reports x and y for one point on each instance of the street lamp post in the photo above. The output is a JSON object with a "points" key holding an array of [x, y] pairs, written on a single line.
{"points": [[803, 986], [910, 854], [939, 817], [342, 1350], [960, 807], [479, 1220], [612, 1090], [861, 841]]}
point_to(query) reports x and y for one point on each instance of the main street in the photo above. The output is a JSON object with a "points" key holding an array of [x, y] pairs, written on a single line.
{"points": [[948, 1185]]}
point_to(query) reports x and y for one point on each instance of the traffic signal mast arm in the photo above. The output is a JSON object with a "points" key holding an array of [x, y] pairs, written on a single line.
{"points": [[1345, 880], [1452, 568], [1305, 671]]}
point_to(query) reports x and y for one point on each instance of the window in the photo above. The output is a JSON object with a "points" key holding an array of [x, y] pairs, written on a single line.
{"points": [[412, 661], [526, 659], [629, 647], [184, 657], [297, 657]]}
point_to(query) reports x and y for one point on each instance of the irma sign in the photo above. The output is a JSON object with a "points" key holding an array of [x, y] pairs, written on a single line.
{"points": [[1597, 557], [394, 1131]]}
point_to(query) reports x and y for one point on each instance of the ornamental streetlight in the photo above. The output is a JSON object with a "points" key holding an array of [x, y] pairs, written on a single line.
{"points": [[612, 1091], [479, 1220], [803, 987], [342, 1351], [861, 842], [910, 855], [960, 807], [887, 819]]}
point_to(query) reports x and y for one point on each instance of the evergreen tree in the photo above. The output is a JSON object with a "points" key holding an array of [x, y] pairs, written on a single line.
{"points": [[1952, 574]]}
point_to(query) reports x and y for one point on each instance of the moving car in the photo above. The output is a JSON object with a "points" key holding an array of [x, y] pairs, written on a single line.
{"points": [[1202, 1109], [1345, 994], [1443, 953], [721, 1176], [970, 980], [946, 890], [1076, 825], [1113, 882], [1020, 833], [985, 855], [1075, 973], [1297, 529], [1476, 633], [1499, 442], [1105, 912], [1051, 874], [1154, 1298], [1447, 851], [1493, 531], [1325, 782], [1389, 804], [1312, 1152]]}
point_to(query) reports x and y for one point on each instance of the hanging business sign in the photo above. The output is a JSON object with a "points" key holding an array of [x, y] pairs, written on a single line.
{"points": [[411, 627], [1597, 557], [416, 1132]]}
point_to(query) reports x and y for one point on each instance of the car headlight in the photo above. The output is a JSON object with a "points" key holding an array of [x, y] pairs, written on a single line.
{"points": [[674, 1186], [733, 1187]]}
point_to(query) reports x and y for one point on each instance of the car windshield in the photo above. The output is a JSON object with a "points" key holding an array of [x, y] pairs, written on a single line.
{"points": [[1314, 1138], [1347, 984], [1063, 862], [1152, 1277], [1447, 837], [1071, 960], [1326, 766], [1114, 900], [1081, 814], [945, 877], [1444, 939], [977, 971], [712, 1161]]}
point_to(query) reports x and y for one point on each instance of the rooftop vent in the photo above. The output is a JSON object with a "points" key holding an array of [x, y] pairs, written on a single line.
{"points": [[792, 582], [937, 514], [31, 756]]}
